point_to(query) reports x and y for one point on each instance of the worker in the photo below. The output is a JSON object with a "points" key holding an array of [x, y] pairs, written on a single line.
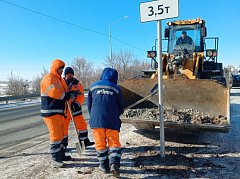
{"points": [[54, 94], [75, 85], [184, 39], [105, 105]]}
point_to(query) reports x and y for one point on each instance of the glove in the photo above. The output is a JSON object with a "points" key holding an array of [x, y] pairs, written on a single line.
{"points": [[75, 81], [72, 82], [67, 96], [76, 93], [76, 107]]}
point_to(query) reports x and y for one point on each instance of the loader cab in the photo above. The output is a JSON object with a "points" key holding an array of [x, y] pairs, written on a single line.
{"points": [[174, 33]]}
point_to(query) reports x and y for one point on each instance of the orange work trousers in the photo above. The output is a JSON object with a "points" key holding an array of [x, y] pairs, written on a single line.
{"points": [[55, 126], [79, 120], [106, 138]]}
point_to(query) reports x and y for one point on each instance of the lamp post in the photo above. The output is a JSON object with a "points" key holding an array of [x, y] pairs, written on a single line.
{"points": [[110, 34]]}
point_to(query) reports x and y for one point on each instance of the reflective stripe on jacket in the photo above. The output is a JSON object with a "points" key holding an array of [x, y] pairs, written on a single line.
{"points": [[105, 103]]}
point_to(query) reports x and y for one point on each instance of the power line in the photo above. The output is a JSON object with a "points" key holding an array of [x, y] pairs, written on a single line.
{"points": [[69, 23]]}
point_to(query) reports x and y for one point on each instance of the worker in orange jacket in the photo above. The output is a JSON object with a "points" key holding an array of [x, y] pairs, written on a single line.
{"points": [[54, 94], [75, 85]]}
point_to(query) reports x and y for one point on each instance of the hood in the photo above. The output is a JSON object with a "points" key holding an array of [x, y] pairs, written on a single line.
{"points": [[109, 74], [55, 65]]}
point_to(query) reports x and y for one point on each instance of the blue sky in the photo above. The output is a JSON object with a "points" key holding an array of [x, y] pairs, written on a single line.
{"points": [[29, 41]]}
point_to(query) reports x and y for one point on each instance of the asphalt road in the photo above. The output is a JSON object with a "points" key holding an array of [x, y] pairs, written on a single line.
{"points": [[20, 124]]}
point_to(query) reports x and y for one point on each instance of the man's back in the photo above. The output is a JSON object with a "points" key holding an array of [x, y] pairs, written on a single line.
{"points": [[105, 101]]}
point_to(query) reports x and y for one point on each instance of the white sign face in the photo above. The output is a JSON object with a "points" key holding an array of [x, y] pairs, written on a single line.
{"points": [[157, 10]]}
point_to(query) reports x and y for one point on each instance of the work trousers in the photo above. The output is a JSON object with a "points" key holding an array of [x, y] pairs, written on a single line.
{"points": [[55, 126], [108, 146], [81, 128]]}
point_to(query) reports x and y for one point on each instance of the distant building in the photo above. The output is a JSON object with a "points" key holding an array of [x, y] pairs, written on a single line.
{"points": [[3, 87]]}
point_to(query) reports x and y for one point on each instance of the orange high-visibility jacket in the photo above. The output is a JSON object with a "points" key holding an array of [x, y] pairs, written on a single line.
{"points": [[79, 99], [53, 89]]}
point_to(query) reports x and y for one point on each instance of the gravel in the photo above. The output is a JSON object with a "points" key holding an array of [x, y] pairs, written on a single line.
{"points": [[176, 115]]}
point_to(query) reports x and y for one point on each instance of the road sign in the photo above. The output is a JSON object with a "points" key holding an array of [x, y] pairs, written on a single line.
{"points": [[157, 10]]}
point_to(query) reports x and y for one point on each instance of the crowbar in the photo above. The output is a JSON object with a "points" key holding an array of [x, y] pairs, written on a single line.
{"points": [[154, 91]]}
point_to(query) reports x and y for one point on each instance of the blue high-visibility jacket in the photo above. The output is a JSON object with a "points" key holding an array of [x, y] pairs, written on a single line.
{"points": [[105, 102]]}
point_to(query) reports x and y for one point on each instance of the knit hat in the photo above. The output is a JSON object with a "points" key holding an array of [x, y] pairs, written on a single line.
{"points": [[68, 70]]}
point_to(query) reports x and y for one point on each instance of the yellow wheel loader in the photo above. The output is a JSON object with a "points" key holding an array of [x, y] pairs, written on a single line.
{"points": [[192, 79]]}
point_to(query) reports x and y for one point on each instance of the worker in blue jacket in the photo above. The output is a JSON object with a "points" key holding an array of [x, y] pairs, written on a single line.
{"points": [[105, 105]]}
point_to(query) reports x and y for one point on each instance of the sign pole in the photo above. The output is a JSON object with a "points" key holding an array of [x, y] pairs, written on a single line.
{"points": [[156, 11], [160, 88]]}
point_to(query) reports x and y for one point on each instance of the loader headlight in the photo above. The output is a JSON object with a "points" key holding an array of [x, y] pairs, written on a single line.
{"points": [[151, 54], [211, 53]]}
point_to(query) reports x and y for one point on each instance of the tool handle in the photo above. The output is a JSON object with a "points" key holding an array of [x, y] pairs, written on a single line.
{"points": [[75, 126], [154, 90], [138, 102]]}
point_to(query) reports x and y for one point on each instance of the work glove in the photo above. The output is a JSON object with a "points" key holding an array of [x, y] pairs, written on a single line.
{"points": [[76, 106], [75, 81], [67, 96], [72, 82], [70, 94]]}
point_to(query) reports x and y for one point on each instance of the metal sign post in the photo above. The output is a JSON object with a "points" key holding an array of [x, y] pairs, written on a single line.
{"points": [[155, 11], [160, 89]]}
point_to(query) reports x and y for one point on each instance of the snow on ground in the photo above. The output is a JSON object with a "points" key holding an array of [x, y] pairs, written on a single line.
{"points": [[18, 103]]}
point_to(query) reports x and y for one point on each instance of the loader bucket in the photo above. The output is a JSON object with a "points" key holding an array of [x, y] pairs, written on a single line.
{"points": [[202, 95]]}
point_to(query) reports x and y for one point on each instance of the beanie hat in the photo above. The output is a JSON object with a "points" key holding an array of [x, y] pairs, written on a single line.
{"points": [[68, 70]]}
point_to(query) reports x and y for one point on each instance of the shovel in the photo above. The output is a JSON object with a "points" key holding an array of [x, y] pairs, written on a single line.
{"points": [[154, 91], [80, 146]]}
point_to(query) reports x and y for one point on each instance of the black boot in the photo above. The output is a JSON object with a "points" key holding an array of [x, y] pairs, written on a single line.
{"points": [[88, 143], [104, 166], [65, 143], [67, 158], [56, 156], [115, 170], [64, 156]]}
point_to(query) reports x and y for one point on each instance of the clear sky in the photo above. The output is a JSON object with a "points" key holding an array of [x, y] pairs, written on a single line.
{"points": [[34, 32]]}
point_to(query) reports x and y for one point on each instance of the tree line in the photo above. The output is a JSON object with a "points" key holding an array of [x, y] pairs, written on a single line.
{"points": [[84, 70]]}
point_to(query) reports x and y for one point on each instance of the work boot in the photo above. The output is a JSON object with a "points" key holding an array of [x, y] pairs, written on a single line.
{"points": [[104, 166], [103, 169], [57, 164], [88, 143], [64, 143], [67, 158], [115, 170], [67, 150]]}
